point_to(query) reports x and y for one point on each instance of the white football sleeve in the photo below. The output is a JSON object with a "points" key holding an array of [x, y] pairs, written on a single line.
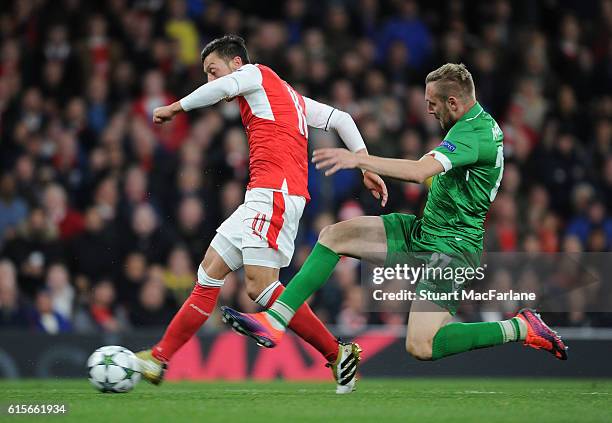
{"points": [[242, 81], [323, 116]]}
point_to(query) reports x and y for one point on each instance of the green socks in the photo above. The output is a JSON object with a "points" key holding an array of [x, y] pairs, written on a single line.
{"points": [[451, 339], [317, 268], [456, 338]]}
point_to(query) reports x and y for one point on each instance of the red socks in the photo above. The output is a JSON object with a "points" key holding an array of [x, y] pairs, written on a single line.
{"points": [[307, 326], [187, 321], [200, 304]]}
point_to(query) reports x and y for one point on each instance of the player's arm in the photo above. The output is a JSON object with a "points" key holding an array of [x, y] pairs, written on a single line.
{"points": [[406, 170], [459, 148], [245, 79], [323, 116]]}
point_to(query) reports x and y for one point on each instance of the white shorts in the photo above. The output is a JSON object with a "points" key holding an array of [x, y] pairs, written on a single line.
{"points": [[261, 231]]}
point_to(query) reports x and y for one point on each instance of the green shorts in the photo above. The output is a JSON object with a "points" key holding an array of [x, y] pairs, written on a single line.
{"points": [[446, 257]]}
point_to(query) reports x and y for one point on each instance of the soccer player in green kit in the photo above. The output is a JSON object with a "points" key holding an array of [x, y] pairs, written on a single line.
{"points": [[467, 169]]}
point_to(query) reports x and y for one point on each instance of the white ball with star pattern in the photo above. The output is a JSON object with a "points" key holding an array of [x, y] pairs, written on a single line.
{"points": [[113, 368]]}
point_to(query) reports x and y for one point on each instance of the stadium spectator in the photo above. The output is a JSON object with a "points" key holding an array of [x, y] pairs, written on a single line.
{"points": [[179, 276], [410, 30], [184, 31], [595, 219], [13, 209], [69, 222], [60, 291], [132, 278], [102, 312], [194, 228], [97, 104], [27, 186], [93, 253], [13, 312], [45, 318], [35, 245], [135, 192], [98, 50], [106, 199], [155, 95], [147, 235], [154, 308]]}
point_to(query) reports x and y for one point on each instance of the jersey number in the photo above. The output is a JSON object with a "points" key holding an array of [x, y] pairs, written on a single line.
{"points": [[300, 112], [499, 164]]}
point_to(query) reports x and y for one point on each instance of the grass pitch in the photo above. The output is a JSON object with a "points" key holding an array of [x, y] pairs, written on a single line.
{"points": [[379, 400]]}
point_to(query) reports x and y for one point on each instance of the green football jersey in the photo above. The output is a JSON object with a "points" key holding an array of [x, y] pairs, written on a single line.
{"points": [[459, 198]]}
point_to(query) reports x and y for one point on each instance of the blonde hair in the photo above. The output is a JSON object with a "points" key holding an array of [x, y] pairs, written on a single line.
{"points": [[453, 80]]}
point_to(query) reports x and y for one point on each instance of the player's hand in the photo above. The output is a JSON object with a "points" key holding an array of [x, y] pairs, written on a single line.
{"points": [[334, 159], [166, 113], [377, 187]]}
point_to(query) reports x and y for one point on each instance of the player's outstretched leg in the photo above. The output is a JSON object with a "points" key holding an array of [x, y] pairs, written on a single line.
{"points": [[267, 328], [192, 315], [347, 354], [429, 336], [342, 358], [362, 237]]}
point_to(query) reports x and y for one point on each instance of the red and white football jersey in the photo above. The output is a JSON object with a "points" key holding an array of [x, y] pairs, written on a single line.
{"points": [[274, 118]]}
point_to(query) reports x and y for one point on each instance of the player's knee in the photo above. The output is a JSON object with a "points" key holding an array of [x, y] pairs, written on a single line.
{"points": [[256, 282], [252, 291], [214, 266], [329, 236], [252, 284], [419, 348]]}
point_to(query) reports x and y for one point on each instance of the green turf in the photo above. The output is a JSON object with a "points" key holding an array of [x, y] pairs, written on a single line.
{"points": [[380, 400]]}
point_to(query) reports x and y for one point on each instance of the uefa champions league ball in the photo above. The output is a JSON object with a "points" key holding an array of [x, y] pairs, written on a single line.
{"points": [[113, 369]]}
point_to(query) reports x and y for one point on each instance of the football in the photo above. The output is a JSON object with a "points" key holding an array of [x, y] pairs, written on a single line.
{"points": [[113, 368]]}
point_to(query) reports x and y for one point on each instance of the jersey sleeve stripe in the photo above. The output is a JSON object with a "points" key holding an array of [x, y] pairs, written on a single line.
{"points": [[446, 163]]}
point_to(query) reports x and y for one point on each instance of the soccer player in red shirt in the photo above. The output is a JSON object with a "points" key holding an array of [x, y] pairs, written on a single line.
{"points": [[260, 234]]}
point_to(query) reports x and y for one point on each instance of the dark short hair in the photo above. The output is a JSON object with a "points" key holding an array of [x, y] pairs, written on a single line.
{"points": [[227, 47]]}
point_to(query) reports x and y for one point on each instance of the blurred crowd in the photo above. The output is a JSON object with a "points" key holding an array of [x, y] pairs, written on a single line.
{"points": [[104, 217]]}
